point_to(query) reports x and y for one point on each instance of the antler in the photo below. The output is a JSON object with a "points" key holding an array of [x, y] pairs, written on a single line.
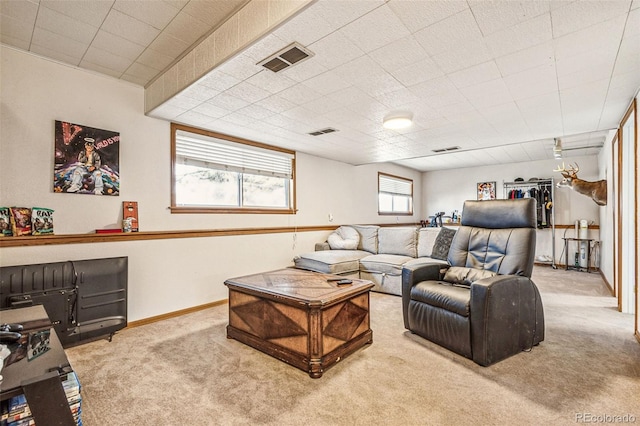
{"points": [[572, 170]]}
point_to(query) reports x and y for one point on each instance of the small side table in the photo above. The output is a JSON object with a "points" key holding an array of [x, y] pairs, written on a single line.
{"points": [[578, 241]]}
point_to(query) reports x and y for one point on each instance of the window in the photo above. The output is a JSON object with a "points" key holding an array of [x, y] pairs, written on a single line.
{"points": [[395, 195], [216, 173]]}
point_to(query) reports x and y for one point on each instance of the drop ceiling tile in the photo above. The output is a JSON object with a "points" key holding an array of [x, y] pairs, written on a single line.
{"points": [[256, 112], [340, 13], [210, 110], [585, 69], [15, 42], [186, 70], [521, 36], [632, 26], [48, 52], [628, 59], [276, 104], [399, 54], [141, 71], [579, 15], [106, 59], [334, 50], [24, 11], [352, 95], [242, 67], [473, 53], [58, 43], [226, 101], [304, 71], [270, 81], [187, 28], [168, 45], [65, 26], [449, 34], [92, 13], [487, 94], [157, 14], [167, 111], [375, 29], [299, 94], [604, 35], [199, 92], [321, 105], [327, 83], [183, 102], [305, 28], [117, 45], [525, 59], [129, 28], [420, 14], [419, 72], [154, 59], [495, 16], [533, 82], [15, 29], [211, 11], [218, 80], [397, 98], [377, 85], [486, 71], [195, 119], [578, 98]]}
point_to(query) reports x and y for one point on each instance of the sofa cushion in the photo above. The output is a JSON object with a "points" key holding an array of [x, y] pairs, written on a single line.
{"points": [[331, 261], [426, 240], [466, 276], [443, 243], [384, 263], [397, 240], [368, 237], [344, 238]]}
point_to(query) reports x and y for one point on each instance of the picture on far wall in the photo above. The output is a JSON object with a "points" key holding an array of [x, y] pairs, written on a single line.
{"points": [[86, 160], [486, 190]]}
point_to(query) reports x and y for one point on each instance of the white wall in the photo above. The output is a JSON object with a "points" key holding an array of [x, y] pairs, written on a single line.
{"points": [[36, 92], [606, 213], [446, 190]]}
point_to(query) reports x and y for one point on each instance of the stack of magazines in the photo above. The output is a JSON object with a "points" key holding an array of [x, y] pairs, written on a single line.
{"points": [[15, 411]]}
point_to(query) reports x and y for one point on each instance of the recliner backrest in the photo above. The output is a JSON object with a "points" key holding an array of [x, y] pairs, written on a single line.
{"points": [[496, 235]]}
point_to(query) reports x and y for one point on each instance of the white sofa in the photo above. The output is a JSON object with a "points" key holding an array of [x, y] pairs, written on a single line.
{"points": [[378, 253]]}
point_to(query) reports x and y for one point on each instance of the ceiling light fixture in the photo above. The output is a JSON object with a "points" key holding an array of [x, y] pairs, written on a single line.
{"points": [[397, 120], [557, 148]]}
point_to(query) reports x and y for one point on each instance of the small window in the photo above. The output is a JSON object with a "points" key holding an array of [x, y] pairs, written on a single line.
{"points": [[395, 195], [216, 173]]}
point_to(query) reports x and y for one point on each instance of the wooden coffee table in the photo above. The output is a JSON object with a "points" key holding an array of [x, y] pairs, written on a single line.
{"points": [[299, 317]]}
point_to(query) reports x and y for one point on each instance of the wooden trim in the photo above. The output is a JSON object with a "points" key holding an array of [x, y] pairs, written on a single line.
{"points": [[613, 293], [637, 333], [45, 240], [175, 314]]}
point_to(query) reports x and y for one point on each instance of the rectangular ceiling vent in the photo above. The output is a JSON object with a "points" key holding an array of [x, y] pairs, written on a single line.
{"points": [[451, 148], [290, 55], [323, 131]]}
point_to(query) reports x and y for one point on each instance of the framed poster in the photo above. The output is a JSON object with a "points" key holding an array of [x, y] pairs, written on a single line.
{"points": [[86, 160], [486, 190]]}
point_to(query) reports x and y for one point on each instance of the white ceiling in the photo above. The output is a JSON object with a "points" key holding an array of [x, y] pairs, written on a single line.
{"points": [[499, 79]]}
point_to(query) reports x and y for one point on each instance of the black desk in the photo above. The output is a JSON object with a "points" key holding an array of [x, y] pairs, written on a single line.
{"points": [[578, 241], [39, 378]]}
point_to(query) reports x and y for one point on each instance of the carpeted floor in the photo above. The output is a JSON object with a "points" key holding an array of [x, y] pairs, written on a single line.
{"points": [[185, 371]]}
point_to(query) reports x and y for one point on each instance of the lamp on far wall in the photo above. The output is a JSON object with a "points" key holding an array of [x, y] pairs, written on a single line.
{"points": [[557, 148], [397, 120]]}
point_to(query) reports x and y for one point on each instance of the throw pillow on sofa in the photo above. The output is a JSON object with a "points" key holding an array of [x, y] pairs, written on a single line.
{"points": [[344, 238], [442, 244], [368, 237]]}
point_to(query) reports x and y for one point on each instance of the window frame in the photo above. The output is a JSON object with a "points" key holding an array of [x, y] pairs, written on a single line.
{"points": [[226, 209], [400, 178]]}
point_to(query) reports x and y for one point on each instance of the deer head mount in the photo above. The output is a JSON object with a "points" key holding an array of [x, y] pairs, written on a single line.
{"points": [[596, 190]]}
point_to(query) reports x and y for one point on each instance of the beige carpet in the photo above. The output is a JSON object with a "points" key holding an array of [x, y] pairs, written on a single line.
{"points": [[185, 371]]}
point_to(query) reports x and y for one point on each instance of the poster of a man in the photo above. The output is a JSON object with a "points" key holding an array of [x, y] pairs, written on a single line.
{"points": [[86, 160]]}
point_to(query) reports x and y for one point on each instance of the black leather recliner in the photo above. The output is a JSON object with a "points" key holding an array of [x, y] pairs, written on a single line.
{"points": [[484, 305]]}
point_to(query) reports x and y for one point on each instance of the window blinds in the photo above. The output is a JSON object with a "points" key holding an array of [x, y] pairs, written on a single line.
{"points": [[221, 154], [395, 186]]}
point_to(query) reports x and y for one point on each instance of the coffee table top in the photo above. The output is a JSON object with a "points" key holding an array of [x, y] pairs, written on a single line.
{"points": [[299, 284]]}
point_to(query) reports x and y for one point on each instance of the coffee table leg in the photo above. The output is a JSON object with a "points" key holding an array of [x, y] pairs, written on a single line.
{"points": [[315, 343]]}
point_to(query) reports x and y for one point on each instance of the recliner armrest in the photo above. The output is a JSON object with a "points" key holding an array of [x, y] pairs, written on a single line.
{"points": [[506, 317], [412, 275]]}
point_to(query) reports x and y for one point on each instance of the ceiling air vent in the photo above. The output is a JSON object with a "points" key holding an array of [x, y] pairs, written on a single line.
{"points": [[323, 131], [292, 54], [451, 148]]}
